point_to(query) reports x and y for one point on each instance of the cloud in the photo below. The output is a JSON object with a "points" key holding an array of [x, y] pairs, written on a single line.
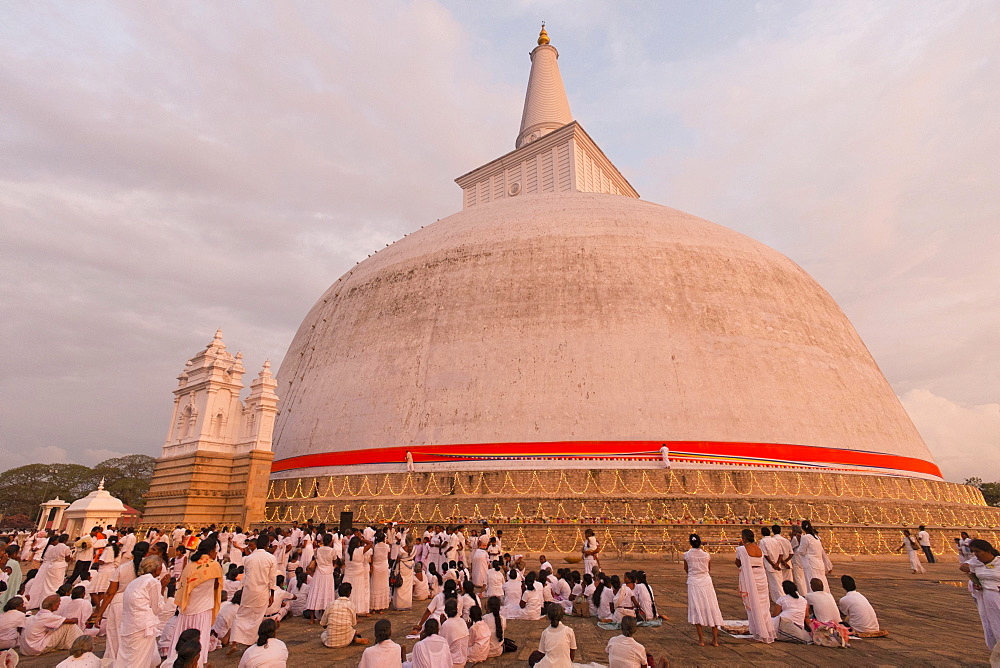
{"points": [[95, 456], [965, 440], [169, 169]]}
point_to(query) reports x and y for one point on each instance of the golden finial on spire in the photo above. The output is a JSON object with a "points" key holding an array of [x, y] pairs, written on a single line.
{"points": [[543, 37]]}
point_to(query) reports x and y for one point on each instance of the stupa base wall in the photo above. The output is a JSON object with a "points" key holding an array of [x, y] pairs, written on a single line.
{"points": [[636, 511], [204, 488]]}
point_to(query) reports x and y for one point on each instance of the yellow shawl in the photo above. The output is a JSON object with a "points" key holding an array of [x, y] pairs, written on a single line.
{"points": [[194, 574]]}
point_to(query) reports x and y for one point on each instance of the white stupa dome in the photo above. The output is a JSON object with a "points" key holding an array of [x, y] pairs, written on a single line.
{"points": [[554, 323]]}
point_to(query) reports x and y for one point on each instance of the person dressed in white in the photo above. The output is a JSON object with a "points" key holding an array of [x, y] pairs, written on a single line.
{"points": [[814, 560], [772, 562], [402, 596], [379, 592], [479, 636], [590, 550], [911, 548], [267, 651], [421, 583], [409, 462], [260, 572], [357, 568], [455, 631], [857, 611], [383, 653], [140, 624], [432, 650], [790, 606], [199, 596], [46, 631], [984, 572], [753, 587], [786, 552], [237, 544], [11, 622], [55, 558], [557, 643], [322, 588], [703, 602], [530, 603], [665, 454], [81, 654], [112, 604], [924, 539], [623, 651], [480, 563], [494, 580], [824, 606]]}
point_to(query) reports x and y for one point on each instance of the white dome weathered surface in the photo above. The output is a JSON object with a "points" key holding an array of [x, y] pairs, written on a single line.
{"points": [[584, 325]]}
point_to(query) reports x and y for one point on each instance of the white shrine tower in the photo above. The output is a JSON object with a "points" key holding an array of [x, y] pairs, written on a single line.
{"points": [[217, 456]]}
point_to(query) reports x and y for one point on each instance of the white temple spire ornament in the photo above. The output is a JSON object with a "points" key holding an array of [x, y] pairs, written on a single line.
{"points": [[546, 107]]}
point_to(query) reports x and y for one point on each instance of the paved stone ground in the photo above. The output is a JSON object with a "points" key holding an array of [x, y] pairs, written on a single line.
{"points": [[932, 623]]}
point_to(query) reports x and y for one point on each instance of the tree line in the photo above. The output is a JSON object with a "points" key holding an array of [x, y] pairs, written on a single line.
{"points": [[22, 489]]}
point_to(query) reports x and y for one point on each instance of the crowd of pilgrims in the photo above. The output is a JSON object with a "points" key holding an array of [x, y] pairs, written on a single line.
{"points": [[175, 596]]}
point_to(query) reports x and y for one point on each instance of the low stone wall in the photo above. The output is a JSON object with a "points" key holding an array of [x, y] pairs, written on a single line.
{"points": [[646, 510]]}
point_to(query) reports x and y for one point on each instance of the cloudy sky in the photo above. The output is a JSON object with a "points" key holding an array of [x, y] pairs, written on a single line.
{"points": [[170, 168]]}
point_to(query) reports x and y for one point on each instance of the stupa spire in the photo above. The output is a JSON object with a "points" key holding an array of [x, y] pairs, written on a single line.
{"points": [[546, 107]]}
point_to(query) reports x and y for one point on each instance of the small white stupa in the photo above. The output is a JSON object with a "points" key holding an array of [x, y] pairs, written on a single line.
{"points": [[99, 508]]}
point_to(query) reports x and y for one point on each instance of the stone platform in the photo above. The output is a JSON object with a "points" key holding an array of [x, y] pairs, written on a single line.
{"points": [[645, 510], [932, 622]]}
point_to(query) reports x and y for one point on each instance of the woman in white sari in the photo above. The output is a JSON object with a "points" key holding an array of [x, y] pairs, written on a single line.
{"points": [[55, 559], [357, 571], [911, 548], [322, 589], [815, 563], [380, 594], [985, 582], [753, 587], [402, 596]]}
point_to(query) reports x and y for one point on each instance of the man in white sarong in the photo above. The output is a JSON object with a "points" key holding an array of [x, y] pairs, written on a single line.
{"points": [[786, 552], [260, 573], [665, 453], [772, 563]]}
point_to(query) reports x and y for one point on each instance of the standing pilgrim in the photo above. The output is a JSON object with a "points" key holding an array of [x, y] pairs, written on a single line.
{"points": [[402, 596], [924, 539], [703, 603], [786, 552], [753, 587], [114, 598], [55, 558], [665, 454], [911, 548], [357, 567], [142, 603], [322, 589], [199, 596], [260, 571], [772, 563], [590, 551], [985, 576], [379, 592], [814, 559], [480, 562]]}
